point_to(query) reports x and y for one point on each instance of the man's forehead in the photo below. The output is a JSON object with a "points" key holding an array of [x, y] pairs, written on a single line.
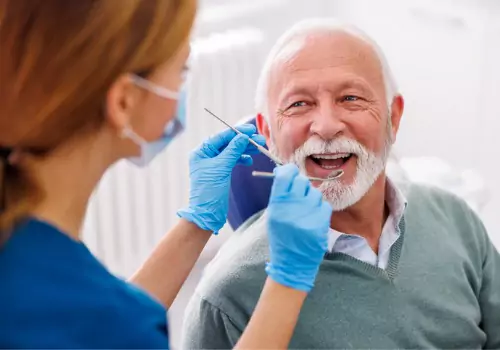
{"points": [[326, 50]]}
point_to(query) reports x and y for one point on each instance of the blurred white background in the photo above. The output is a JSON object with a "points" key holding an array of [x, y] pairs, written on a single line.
{"points": [[445, 55]]}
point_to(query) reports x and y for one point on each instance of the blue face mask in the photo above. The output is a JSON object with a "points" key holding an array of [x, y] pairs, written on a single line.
{"points": [[149, 150]]}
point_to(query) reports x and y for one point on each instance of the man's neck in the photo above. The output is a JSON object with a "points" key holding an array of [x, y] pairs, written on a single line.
{"points": [[367, 217]]}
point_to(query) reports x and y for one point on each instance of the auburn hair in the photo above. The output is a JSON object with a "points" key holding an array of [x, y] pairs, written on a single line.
{"points": [[58, 58]]}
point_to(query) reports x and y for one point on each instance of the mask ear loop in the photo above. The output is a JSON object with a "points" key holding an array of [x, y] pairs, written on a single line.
{"points": [[128, 133]]}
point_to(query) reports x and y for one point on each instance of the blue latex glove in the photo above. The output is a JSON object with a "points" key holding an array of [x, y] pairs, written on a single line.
{"points": [[298, 223], [210, 168]]}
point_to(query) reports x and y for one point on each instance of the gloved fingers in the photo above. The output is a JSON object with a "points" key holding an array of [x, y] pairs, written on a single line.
{"points": [[216, 144], [234, 150], [206, 150], [300, 186], [283, 179], [222, 139], [245, 159], [251, 149], [315, 197], [247, 129], [326, 209]]}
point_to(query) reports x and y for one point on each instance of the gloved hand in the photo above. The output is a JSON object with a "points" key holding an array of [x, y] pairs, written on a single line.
{"points": [[210, 168], [298, 223]]}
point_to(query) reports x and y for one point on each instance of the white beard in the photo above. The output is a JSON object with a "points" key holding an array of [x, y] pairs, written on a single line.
{"points": [[369, 167]]}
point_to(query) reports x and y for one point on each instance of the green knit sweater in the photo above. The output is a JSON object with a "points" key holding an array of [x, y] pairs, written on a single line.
{"points": [[441, 288]]}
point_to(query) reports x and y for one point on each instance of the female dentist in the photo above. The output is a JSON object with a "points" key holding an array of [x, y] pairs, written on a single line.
{"points": [[86, 83]]}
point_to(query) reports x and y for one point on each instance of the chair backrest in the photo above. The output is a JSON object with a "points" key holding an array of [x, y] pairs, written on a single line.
{"points": [[248, 194]]}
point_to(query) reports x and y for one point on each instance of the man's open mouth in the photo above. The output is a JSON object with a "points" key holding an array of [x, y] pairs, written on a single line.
{"points": [[330, 161], [322, 165]]}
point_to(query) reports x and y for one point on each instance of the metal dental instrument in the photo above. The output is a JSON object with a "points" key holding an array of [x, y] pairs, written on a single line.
{"points": [[259, 147], [333, 176]]}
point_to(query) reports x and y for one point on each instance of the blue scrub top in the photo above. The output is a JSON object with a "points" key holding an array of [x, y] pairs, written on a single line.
{"points": [[55, 294]]}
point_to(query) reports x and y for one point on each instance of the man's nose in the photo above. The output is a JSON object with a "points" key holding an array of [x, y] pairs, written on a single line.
{"points": [[327, 123]]}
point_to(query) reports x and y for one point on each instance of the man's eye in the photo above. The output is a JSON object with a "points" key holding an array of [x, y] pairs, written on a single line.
{"points": [[350, 98], [298, 104]]}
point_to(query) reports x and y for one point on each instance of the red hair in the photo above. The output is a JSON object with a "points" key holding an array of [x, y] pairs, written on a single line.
{"points": [[58, 59]]}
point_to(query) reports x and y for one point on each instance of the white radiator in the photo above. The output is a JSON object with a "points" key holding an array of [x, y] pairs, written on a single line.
{"points": [[133, 208]]}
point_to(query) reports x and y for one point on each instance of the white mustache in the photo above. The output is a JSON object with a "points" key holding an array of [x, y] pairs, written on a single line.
{"points": [[316, 145]]}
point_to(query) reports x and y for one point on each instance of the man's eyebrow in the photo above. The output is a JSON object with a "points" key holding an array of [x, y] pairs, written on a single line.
{"points": [[355, 84], [293, 90]]}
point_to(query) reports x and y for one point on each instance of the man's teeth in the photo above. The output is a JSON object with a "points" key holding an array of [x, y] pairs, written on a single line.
{"points": [[331, 156], [330, 161]]}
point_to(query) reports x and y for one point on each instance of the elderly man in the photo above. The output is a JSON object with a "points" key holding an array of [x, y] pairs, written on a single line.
{"points": [[403, 270]]}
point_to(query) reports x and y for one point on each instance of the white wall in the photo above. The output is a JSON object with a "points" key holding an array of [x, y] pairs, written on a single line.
{"points": [[488, 141]]}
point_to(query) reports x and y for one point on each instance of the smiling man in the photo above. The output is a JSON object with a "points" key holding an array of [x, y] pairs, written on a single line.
{"points": [[403, 270], [328, 101]]}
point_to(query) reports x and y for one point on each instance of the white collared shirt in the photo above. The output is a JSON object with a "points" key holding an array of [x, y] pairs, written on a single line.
{"points": [[358, 247]]}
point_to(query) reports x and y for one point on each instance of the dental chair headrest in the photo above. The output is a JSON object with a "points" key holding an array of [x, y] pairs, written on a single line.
{"points": [[248, 194]]}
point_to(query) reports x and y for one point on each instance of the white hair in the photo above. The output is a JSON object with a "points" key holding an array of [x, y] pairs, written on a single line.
{"points": [[318, 26]]}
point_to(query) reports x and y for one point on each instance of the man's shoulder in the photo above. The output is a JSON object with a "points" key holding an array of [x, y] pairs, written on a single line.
{"points": [[237, 272], [434, 199], [438, 209]]}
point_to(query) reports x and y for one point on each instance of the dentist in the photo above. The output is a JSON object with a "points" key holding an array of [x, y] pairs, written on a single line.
{"points": [[87, 83]]}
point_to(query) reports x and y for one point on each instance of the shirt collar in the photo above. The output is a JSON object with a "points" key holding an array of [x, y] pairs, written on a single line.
{"points": [[396, 202], [395, 199]]}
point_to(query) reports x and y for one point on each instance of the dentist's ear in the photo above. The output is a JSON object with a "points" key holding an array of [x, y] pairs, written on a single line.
{"points": [[121, 100], [263, 127]]}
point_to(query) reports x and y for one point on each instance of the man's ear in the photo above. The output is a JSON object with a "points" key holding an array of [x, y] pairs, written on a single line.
{"points": [[263, 127], [397, 108]]}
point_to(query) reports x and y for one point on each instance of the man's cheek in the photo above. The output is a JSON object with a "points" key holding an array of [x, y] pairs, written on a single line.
{"points": [[287, 148], [293, 135]]}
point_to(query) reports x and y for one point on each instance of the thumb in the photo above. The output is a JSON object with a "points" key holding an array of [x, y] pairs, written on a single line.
{"points": [[234, 150]]}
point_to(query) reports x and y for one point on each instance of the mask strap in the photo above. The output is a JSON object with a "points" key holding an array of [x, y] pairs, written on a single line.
{"points": [[156, 89], [127, 132]]}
